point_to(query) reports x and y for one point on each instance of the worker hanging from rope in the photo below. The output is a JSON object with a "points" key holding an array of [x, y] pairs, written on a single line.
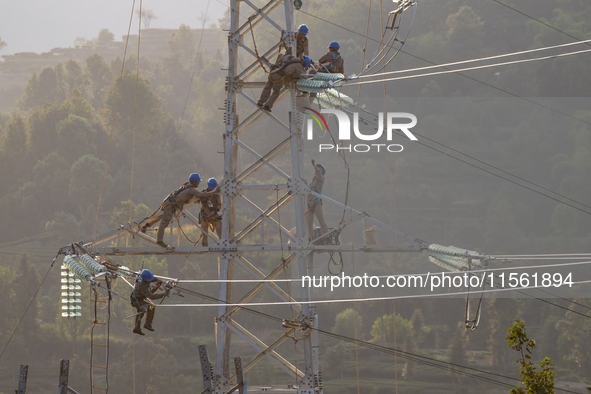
{"points": [[210, 212], [140, 299], [287, 69], [173, 205], [315, 203]]}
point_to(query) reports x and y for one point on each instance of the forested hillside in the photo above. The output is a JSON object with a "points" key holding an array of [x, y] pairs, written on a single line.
{"points": [[76, 138]]}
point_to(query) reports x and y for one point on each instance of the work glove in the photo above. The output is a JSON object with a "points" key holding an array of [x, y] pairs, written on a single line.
{"points": [[313, 163]]}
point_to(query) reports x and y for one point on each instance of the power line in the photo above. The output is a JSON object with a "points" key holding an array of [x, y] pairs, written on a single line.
{"points": [[478, 59], [451, 367], [537, 20], [186, 100], [454, 150], [369, 299], [28, 306], [473, 68]]}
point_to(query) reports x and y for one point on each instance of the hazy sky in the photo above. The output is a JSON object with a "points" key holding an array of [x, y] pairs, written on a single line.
{"points": [[40, 25]]}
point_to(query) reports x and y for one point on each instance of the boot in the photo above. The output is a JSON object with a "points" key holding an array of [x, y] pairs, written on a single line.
{"points": [[138, 331], [144, 228], [148, 327], [267, 108], [161, 243]]}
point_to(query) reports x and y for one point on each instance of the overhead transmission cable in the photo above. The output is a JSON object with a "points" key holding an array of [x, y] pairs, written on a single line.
{"points": [[369, 299], [113, 121], [467, 371], [478, 59], [473, 68], [28, 306], [463, 75], [186, 99], [537, 20]]}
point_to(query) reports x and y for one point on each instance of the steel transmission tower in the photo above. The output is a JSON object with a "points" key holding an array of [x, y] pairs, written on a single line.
{"points": [[234, 242]]}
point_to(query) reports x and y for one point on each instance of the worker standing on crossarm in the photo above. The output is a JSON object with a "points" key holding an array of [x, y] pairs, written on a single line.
{"points": [[287, 69], [210, 212], [332, 61], [315, 203], [173, 205], [302, 41], [140, 300]]}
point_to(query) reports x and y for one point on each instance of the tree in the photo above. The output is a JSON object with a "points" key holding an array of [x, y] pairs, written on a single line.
{"points": [[86, 177], [535, 382], [122, 216], [2, 43], [26, 283], [41, 89], [73, 75], [457, 349], [105, 37], [344, 323], [147, 17], [418, 325], [182, 45], [99, 74]]}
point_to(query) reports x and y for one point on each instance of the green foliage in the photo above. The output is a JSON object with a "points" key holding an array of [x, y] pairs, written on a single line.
{"points": [[346, 324], [138, 211], [105, 37], [99, 75], [2, 43], [418, 325], [535, 382]]}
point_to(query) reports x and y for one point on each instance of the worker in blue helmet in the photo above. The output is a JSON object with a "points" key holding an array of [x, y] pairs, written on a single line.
{"points": [[315, 203], [332, 61], [140, 298], [173, 205], [302, 41], [287, 69], [210, 215]]}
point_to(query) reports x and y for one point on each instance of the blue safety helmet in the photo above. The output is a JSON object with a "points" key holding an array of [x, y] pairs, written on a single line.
{"points": [[212, 183], [303, 29], [334, 44], [308, 61], [147, 275], [194, 178], [323, 168]]}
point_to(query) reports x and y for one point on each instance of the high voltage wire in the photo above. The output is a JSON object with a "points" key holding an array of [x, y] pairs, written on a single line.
{"points": [[347, 300], [476, 60], [463, 75], [377, 276], [471, 68], [403, 354], [537, 20], [471, 164]]}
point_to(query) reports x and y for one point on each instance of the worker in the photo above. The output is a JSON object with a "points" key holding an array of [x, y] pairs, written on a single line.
{"points": [[173, 205], [210, 212], [287, 69], [315, 203], [140, 298], [332, 61], [302, 41]]}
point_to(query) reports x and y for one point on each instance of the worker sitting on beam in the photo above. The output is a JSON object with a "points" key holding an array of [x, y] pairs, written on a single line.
{"points": [[287, 69], [140, 298]]}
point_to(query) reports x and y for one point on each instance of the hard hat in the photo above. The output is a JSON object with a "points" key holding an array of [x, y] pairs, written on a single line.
{"points": [[323, 168], [308, 61], [212, 183], [334, 44], [303, 29], [194, 178], [147, 275]]}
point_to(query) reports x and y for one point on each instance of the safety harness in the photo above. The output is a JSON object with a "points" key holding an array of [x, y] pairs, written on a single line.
{"points": [[171, 198], [333, 64], [279, 68]]}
